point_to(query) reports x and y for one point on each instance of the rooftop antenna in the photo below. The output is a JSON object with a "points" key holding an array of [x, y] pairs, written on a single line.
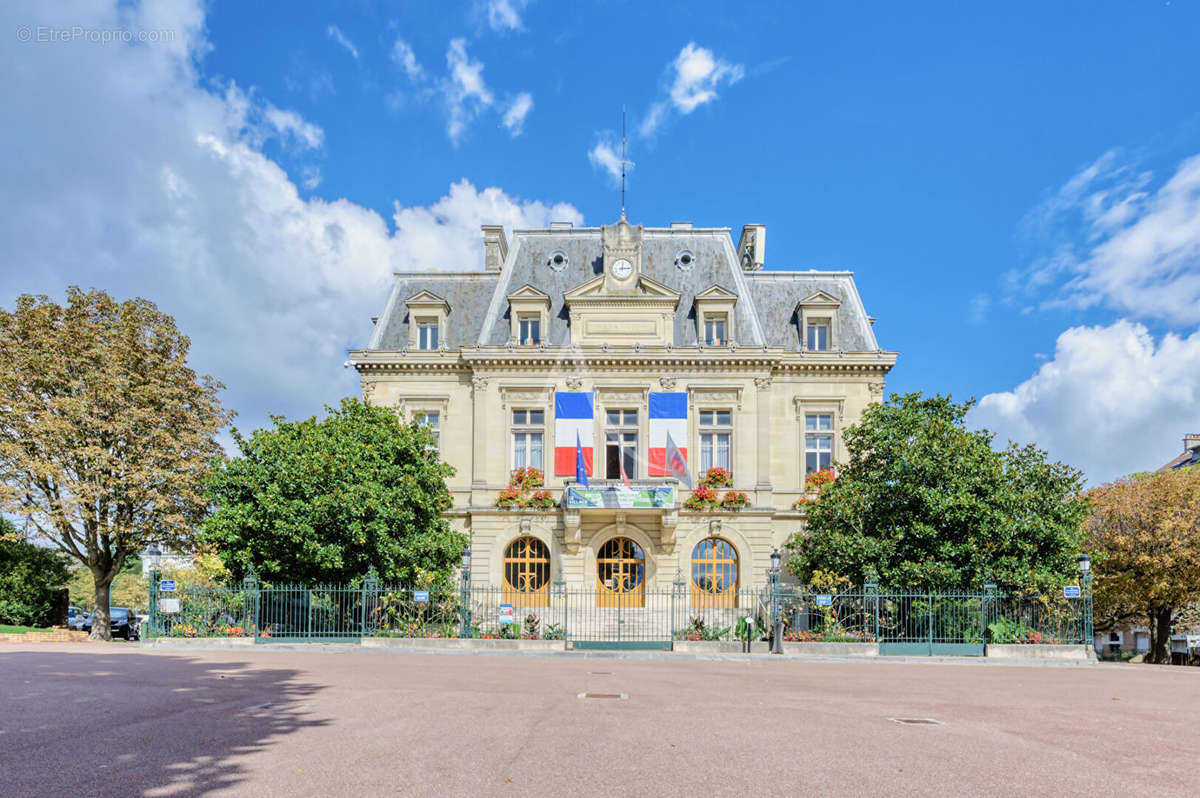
{"points": [[622, 163]]}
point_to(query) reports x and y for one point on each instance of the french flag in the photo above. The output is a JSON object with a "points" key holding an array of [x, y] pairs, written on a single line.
{"points": [[668, 413], [573, 416]]}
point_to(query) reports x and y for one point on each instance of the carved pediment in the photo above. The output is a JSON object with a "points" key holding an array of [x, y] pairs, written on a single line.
{"points": [[528, 293], [646, 290], [715, 291], [819, 300], [426, 299]]}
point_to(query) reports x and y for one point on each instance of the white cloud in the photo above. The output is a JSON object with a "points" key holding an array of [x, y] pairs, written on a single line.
{"points": [[1113, 240], [290, 125], [514, 117], [606, 157], [1111, 401], [697, 75], [166, 194], [467, 95], [336, 34], [505, 15], [977, 308], [446, 234], [403, 55], [694, 77]]}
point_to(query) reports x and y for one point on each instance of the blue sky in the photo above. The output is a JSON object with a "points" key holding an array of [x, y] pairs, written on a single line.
{"points": [[1012, 185]]}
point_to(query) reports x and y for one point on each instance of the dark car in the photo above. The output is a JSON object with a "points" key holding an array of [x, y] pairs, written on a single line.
{"points": [[123, 622]]}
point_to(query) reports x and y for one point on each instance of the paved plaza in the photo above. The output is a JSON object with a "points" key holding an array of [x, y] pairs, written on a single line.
{"points": [[106, 720]]}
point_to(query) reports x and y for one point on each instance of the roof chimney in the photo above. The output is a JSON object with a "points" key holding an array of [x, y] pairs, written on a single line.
{"points": [[1191, 441], [495, 247], [752, 246], [562, 225]]}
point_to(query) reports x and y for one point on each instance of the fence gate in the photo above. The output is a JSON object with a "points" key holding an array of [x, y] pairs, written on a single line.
{"points": [[602, 619], [928, 624]]}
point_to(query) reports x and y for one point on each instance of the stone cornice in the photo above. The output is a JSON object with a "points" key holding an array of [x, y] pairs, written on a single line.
{"points": [[653, 358]]}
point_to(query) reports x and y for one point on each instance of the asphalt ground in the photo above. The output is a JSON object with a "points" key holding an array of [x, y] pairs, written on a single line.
{"points": [[117, 720]]}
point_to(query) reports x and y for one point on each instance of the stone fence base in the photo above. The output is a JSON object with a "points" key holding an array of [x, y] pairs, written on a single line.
{"points": [[1037, 651], [53, 636]]}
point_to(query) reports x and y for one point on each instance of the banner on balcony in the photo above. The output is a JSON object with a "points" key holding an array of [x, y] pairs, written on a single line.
{"points": [[621, 497], [573, 413], [668, 413]]}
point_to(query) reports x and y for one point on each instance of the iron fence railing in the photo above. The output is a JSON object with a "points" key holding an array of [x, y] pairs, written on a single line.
{"points": [[900, 621]]}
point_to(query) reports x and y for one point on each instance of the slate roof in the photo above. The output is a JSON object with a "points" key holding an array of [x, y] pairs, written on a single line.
{"points": [[764, 311]]}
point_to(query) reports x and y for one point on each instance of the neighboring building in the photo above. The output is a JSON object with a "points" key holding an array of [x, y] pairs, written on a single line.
{"points": [[169, 561], [1190, 456], [615, 337]]}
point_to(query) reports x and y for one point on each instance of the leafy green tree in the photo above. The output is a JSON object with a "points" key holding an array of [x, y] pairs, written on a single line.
{"points": [[926, 502], [1145, 538], [32, 579], [106, 434], [324, 500]]}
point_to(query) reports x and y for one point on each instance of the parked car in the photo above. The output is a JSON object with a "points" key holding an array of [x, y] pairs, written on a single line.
{"points": [[124, 623], [75, 616]]}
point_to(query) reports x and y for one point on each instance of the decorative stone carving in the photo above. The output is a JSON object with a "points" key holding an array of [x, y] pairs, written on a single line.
{"points": [[571, 536], [479, 384], [762, 383], [619, 522], [369, 389], [670, 523], [714, 527], [525, 526], [574, 382], [876, 389], [667, 383]]}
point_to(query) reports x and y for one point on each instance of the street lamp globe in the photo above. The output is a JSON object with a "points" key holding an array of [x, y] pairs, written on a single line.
{"points": [[1085, 564], [154, 556], [466, 560], [776, 559]]}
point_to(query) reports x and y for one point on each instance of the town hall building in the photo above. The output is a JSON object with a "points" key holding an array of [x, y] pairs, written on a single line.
{"points": [[597, 343]]}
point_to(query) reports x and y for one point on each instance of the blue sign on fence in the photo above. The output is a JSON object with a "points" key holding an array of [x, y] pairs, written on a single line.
{"points": [[825, 600], [1070, 591], [506, 613], [167, 586], [420, 595]]}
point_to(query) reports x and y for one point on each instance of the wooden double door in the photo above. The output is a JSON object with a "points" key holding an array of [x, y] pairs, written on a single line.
{"points": [[620, 574]]}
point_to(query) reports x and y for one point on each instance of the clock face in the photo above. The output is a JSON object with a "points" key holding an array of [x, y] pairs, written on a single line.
{"points": [[622, 269]]}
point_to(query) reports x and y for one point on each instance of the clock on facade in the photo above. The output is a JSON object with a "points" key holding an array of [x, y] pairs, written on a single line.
{"points": [[622, 269]]}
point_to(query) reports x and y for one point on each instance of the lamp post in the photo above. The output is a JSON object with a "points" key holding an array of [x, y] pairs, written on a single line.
{"points": [[776, 610], [1085, 589], [466, 592], [154, 558]]}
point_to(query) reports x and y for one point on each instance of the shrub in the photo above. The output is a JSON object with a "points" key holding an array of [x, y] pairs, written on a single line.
{"points": [[32, 579], [734, 500], [717, 478], [522, 491]]}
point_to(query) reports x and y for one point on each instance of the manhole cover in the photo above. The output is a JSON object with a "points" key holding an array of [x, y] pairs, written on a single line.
{"points": [[619, 696], [599, 673], [917, 721]]}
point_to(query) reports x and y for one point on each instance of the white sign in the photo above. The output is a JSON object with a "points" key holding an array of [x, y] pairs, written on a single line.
{"points": [[1193, 641], [506, 613], [168, 605]]}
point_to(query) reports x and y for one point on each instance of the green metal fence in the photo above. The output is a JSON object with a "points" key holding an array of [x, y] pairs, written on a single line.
{"points": [[900, 621]]}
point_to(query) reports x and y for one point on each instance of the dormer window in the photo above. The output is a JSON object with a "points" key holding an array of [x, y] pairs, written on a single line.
{"points": [[427, 334], [714, 331], [817, 317], [529, 310], [531, 330], [714, 316], [427, 314], [817, 336]]}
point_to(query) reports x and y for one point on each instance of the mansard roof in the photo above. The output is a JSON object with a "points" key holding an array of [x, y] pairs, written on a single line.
{"points": [[764, 311]]}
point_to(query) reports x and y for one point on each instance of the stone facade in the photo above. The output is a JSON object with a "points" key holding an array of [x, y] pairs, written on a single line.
{"points": [[619, 314]]}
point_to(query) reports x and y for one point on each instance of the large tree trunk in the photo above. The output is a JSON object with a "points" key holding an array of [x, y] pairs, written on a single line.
{"points": [[1160, 635], [101, 628]]}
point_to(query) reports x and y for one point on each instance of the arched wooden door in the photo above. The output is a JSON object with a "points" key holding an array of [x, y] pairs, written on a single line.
{"points": [[527, 573], [620, 574], [714, 574]]}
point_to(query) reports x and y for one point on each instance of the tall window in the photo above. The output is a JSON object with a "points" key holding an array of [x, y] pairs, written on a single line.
{"points": [[714, 331], [818, 336], [430, 418], [716, 432], [531, 331], [527, 572], [427, 335], [818, 441], [620, 433], [527, 432], [714, 573]]}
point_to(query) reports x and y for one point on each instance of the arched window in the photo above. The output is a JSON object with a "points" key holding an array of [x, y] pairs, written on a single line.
{"points": [[527, 572], [714, 573], [620, 574]]}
